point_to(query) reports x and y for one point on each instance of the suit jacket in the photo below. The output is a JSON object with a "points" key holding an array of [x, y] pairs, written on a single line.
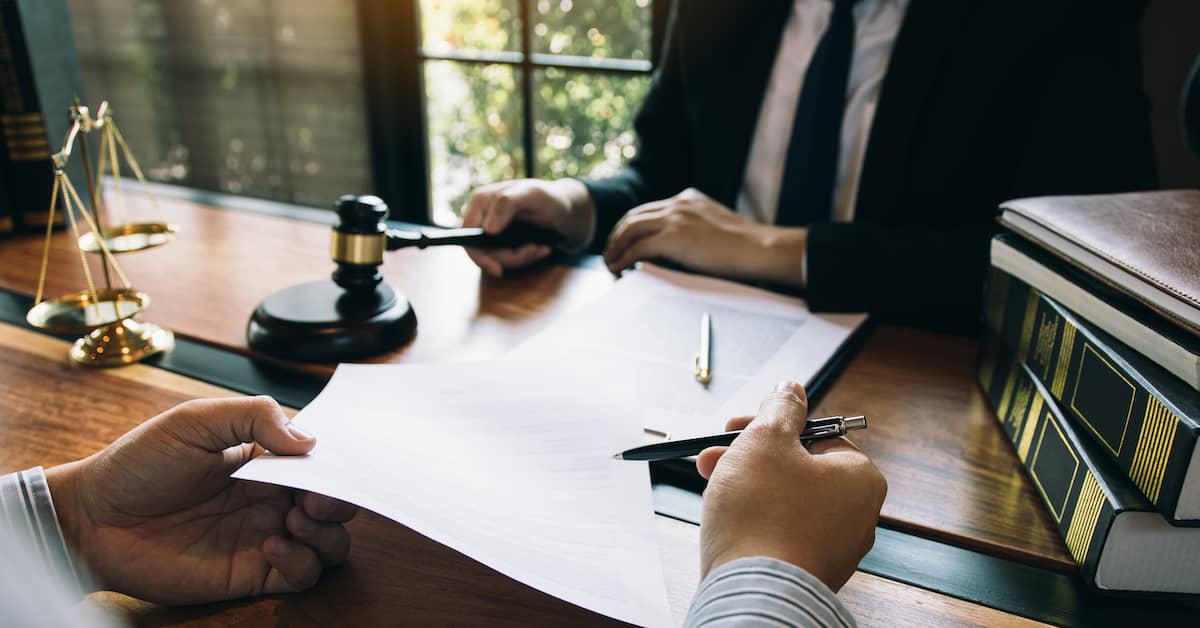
{"points": [[983, 101]]}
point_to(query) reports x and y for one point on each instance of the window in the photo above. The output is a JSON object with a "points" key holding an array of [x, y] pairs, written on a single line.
{"points": [[541, 88], [417, 100], [255, 97]]}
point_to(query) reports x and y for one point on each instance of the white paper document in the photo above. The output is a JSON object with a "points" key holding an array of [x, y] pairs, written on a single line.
{"points": [[645, 333], [509, 464]]}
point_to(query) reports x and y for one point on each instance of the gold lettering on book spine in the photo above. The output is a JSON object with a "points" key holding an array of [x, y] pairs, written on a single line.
{"points": [[1006, 395], [1153, 449], [1087, 514], [1027, 325], [1065, 348], [1043, 353], [1026, 436]]}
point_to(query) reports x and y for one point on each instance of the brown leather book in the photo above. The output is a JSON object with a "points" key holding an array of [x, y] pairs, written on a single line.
{"points": [[1143, 244]]}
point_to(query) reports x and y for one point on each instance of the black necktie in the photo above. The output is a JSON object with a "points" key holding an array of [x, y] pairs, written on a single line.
{"points": [[806, 193]]}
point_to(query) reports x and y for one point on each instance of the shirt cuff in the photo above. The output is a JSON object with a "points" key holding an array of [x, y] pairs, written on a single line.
{"points": [[764, 591], [27, 516]]}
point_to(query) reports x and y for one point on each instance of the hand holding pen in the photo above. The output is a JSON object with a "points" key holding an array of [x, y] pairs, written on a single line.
{"points": [[814, 429], [769, 495]]}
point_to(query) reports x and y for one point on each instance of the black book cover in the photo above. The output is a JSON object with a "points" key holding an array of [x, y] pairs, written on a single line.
{"points": [[1127, 305], [1145, 418], [1082, 489]]}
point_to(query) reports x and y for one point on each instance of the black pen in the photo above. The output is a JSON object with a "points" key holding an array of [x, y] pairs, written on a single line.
{"points": [[828, 427]]}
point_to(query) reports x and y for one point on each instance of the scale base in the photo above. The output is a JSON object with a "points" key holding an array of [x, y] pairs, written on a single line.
{"points": [[123, 342], [321, 322]]}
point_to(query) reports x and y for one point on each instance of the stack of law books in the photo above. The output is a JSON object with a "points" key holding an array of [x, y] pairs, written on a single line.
{"points": [[1091, 361]]}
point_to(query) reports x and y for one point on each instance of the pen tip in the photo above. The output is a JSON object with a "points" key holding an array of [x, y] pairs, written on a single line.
{"points": [[618, 457]]}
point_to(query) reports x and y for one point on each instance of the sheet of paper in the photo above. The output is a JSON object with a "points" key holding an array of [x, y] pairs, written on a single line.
{"points": [[509, 464], [645, 332]]}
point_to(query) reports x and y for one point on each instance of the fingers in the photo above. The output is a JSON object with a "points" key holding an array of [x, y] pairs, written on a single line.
{"points": [[294, 566], [217, 424], [474, 214], [649, 247], [326, 509], [707, 461], [485, 262], [494, 208], [738, 423], [784, 411], [505, 206], [523, 255], [330, 541], [630, 232]]}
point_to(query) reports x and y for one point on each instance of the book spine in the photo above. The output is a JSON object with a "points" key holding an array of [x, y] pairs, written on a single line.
{"points": [[1137, 427], [1071, 488]]}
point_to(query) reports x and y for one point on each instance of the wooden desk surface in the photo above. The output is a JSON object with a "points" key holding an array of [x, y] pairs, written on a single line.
{"points": [[52, 412], [952, 475]]}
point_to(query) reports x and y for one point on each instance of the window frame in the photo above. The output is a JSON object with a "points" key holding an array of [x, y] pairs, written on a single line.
{"points": [[393, 79]]}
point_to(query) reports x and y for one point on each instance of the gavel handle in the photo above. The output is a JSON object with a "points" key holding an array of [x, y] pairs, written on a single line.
{"points": [[516, 234]]}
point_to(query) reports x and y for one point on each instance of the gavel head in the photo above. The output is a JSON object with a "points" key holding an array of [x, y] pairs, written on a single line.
{"points": [[358, 242]]}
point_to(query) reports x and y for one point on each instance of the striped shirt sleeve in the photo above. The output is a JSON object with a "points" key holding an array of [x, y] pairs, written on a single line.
{"points": [[27, 516], [765, 592]]}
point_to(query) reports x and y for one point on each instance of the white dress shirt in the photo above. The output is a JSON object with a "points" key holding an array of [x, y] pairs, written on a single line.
{"points": [[876, 24]]}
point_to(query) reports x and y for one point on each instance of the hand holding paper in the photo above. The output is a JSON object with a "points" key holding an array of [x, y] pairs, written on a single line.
{"points": [[513, 468]]}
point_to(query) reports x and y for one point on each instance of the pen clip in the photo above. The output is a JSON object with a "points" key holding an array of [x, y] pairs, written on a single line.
{"points": [[823, 428]]}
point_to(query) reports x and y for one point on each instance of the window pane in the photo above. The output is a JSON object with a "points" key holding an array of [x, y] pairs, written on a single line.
{"points": [[475, 117], [458, 25], [584, 121], [247, 97], [592, 28]]}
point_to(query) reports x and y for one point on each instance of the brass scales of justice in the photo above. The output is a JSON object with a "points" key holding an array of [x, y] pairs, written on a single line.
{"points": [[105, 314]]}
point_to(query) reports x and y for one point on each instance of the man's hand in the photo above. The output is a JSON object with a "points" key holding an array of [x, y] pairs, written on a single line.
{"points": [[564, 205], [769, 496], [155, 515], [695, 231]]}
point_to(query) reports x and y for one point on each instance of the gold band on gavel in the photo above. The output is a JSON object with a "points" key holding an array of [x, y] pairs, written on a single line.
{"points": [[357, 248]]}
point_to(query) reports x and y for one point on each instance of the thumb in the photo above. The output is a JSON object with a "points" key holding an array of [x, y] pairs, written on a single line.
{"points": [[217, 424], [707, 461], [785, 409]]}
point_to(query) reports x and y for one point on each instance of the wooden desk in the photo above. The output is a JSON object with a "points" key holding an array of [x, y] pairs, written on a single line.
{"points": [[52, 412], [951, 472]]}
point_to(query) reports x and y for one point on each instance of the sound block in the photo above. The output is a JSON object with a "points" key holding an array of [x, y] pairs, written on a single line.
{"points": [[321, 322]]}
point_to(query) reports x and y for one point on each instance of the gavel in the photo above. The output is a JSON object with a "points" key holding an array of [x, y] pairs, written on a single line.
{"points": [[357, 315], [361, 236]]}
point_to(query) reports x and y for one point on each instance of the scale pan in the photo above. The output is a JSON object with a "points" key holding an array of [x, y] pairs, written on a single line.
{"points": [[78, 312], [131, 237]]}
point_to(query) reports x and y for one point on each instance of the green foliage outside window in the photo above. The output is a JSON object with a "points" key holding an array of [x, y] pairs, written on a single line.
{"points": [[582, 119]]}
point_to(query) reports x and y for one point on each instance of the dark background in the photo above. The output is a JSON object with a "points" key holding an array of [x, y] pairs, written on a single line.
{"points": [[1171, 41]]}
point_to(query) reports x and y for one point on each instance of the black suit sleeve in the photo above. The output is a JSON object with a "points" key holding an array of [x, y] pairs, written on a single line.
{"points": [[1089, 133], [661, 167]]}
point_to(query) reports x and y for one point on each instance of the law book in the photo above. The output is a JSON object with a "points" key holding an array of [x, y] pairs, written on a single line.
{"points": [[39, 79], [1120, 542], [1146, 419], [1116, 313], [1142, 244]]}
